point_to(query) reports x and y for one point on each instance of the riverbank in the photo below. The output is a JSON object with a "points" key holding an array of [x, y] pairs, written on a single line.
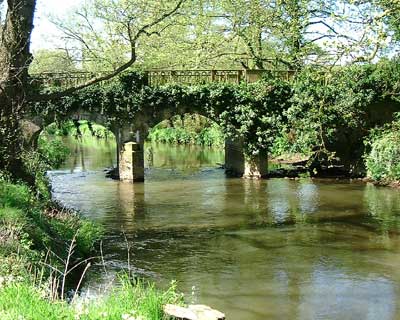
{"points": [[129, 301], [38, 237], [45, 251]]}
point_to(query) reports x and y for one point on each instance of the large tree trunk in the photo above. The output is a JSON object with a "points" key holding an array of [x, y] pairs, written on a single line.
{"points": [[14, 62]]}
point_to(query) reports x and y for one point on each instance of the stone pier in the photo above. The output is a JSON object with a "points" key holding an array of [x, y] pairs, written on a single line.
{"points": [[240, 165], [256, 167], [131, 162], [131, 159]]}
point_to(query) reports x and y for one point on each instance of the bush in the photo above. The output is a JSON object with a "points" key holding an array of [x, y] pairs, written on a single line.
{"points": [[53, 151], [15, 195], [383, 157], [189, 129]]}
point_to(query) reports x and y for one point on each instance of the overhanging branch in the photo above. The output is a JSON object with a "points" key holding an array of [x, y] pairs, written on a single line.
{"points": [[133, 43]]}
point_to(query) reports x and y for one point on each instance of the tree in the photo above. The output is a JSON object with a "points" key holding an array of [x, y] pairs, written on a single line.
{"points": [[392, 15], [15, 90], [54, 61]]}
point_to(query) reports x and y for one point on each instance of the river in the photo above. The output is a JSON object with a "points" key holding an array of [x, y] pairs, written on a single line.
{"points": [[256, 250]]}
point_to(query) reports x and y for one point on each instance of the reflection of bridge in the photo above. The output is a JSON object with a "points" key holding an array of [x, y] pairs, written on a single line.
{"points": [[161, 77]]}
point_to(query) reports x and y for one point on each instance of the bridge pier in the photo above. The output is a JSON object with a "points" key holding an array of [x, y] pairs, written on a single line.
{"points": [[238, 164], [130, 154], [131, 162]]}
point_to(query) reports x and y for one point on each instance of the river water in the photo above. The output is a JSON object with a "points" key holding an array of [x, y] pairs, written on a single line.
{"points": [[256, 250]]}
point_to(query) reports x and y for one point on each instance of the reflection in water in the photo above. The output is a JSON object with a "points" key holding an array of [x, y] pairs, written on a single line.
{"points": [[275, 249]]}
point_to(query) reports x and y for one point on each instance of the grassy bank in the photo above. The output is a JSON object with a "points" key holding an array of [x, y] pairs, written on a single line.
{"points": [[35, 232], [130, 301], [45, 251], [42, 247]]}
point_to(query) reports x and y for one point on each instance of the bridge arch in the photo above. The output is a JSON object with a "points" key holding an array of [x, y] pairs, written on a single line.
{"points": [[129, 108]]}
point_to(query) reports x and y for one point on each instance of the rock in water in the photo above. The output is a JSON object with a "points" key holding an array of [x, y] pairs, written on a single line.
{"points": [[193, 312], [179, 312], [206, 313]]}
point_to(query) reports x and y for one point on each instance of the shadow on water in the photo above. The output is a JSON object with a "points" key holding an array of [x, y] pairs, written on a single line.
{"points": [[272, 249]]}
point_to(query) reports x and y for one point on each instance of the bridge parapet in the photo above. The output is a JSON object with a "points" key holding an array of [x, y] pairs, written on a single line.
{"points": [[162, 77], [63, 79]]}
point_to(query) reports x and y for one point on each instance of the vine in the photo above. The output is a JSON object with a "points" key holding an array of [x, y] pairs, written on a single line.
{"points": [[323, 115]]}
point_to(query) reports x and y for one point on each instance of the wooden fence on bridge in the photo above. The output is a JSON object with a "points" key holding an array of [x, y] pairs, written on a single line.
{"points": [[162, 77]]}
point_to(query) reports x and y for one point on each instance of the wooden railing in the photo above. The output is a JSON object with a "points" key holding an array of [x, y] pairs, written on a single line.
{"points": [[162, 77]]}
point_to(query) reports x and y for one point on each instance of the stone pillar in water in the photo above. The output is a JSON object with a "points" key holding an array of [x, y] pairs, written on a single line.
{"points": [[256, 166], [234, 157], [240, 165], [131, 162]]}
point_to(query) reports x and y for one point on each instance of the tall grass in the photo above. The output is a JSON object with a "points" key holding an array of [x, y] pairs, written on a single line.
{"points": [[382, 158], [131, 300], [30, 227]]}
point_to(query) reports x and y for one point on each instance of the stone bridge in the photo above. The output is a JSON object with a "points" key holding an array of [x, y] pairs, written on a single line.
{"points": [[162, 77], [131, 133], [130, 138]]}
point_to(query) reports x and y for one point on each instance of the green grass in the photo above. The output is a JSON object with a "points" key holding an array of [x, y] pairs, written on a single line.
{"points": [[24, 301], [30, 226], [130, 300]]}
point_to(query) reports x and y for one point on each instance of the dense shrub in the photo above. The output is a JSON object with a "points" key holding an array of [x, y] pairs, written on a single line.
{"points": [[383, 156], [188, 129], [53, 151]]}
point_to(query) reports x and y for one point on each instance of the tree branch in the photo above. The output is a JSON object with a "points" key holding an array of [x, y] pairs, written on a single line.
{"points": [[133, 42]]}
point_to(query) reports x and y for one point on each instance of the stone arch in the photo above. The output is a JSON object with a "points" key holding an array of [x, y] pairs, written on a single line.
{"points": [[130, 125], [131, 150], [34, 125]]}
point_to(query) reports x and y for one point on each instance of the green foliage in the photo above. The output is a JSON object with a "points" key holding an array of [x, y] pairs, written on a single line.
{"points": [[51, 61], [189, 129], [331, 113], [35, 166], [81, 128], [383, 156], [16, 196], [132, 299], [30, 226], [24, 301], [319, 113], [53, 151]]}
